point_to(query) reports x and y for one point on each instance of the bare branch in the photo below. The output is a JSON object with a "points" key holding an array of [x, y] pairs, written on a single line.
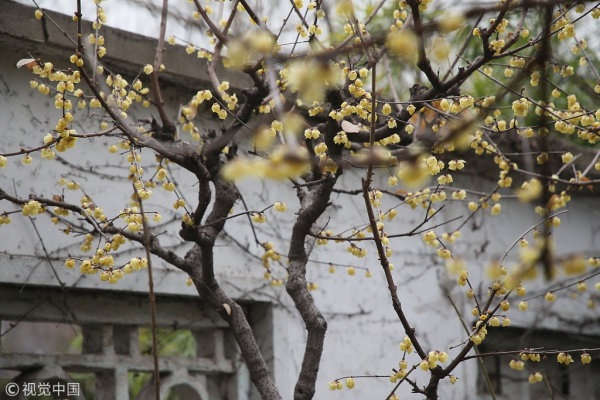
{"points": [[168, 127]]}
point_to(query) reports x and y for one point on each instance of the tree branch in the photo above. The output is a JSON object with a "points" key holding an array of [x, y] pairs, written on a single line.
{"points": [[366, 183], [168, 127]]}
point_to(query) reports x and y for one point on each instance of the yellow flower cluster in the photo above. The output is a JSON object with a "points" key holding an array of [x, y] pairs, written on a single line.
{"points": [[5, 219], [258, 218], [430, 238], [33, 208], [283, 163], [406, 345], [216, 108], [178, 203], [281, 207], [535, 378], [462, 278], [133, 218], [520, 107], [356, 251], [168, 186], [312, 134], [328, 233], [563, 358], [478, 337], [270, 254]]}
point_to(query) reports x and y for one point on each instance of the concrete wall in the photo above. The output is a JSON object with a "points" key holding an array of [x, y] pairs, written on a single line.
{"points": [[363, 330]]}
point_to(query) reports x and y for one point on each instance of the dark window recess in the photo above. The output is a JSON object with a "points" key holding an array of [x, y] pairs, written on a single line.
{"points": [[493, 368], [577, 381], [563, 378]]}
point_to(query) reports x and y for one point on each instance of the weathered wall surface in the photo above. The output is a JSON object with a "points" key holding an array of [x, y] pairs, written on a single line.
{"points": [[363, 331]]}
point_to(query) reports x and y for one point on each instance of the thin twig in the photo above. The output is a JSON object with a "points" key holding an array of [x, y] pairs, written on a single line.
{"points": [[62, 285], [151, 297], [405, 378], [462, 50], [548, 384], [481, 362], [168, 125], [527, 231], [410, 332]]}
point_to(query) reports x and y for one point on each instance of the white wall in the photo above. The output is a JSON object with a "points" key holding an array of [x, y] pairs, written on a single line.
{"points": [[180, 23], [363, 332]]}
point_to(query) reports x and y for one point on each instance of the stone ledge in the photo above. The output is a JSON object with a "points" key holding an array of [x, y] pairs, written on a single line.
{"points": [[19, 21], [126, 51], [93, 306], [167, 282]]}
